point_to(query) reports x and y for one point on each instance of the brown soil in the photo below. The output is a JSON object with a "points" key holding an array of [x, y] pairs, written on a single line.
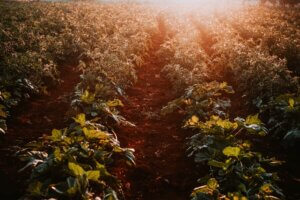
{"points": [[32, 120], [162, 170]]}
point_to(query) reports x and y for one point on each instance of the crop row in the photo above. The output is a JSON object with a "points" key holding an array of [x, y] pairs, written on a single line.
{"points": [[226, 68], [106, 43]]}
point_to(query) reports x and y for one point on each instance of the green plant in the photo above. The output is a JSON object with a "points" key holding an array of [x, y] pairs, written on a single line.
{"points": [[74, 162], [38, 40], [235, 170], [203, 100], [283, 114]]}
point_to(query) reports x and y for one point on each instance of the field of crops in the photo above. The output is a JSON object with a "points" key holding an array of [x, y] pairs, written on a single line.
{"points": [[138, 102]]}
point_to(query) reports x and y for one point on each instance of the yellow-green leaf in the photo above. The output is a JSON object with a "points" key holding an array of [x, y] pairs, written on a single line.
{"points": [[114, 103], [291, 102], [260, 170], [232, 151], [5, 95], [67, 140], [56, 135], [215, 163], [93, 175], [253, 119], [87, 97], [80, 119], [94, 134], [77, 170], [212, 183], [227, 125], [57, 154]]}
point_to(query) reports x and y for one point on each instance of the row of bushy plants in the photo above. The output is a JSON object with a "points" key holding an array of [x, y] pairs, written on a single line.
{"points": [[38, 39], [106, 43], [236, 171], [234, 48], [273, 29]]}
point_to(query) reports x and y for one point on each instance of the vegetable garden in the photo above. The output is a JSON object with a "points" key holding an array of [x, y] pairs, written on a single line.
{"points": [[131, 101]]}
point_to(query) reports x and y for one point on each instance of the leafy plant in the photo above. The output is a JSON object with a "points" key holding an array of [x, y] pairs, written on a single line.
{"points": [[74, 162], [235, 170], [42, 38], [283, 115], [203, 100]]}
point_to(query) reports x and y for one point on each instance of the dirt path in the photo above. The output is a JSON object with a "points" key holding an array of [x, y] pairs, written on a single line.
{"points": [[163, 171], [30, 121]]}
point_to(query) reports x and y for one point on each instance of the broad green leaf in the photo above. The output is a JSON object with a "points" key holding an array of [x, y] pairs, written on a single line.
{"points": [[114, 103], [94, 134], [67, 140], [80, 119], [224, 124], [56, 135], [212, 183], [231, 151], [227, 163], [57, 154], [227, 125], [76, 169], [102, 169], [215, 163], [93, 175], [260, 170]]}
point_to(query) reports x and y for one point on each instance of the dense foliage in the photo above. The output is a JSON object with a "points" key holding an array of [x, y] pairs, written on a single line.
{"points": [[73, 162], [106, 43], [235, 64], [223, 68], [34, 44]]}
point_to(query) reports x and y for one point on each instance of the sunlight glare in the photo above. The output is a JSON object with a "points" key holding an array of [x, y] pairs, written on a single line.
{"points": [[203, 6]]}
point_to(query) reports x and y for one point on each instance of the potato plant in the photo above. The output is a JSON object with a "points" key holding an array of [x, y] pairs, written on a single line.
{"points": [[258, 72], [106, 43], [236, 171], [36, 45], [74, 162]]}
